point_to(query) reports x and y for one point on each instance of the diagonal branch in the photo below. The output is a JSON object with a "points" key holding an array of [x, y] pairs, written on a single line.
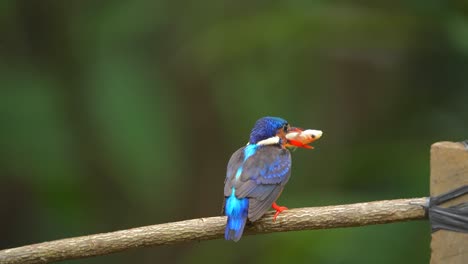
{"points": [[359, 214]]}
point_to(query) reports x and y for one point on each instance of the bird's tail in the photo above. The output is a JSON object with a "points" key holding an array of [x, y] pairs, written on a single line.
{"points": [[236, 211]]}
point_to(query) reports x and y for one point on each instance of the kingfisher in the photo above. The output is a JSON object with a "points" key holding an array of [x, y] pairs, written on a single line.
{"points": [[257, 173]]}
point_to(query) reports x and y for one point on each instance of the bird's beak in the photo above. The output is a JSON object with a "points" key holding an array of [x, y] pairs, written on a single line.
{"points": [[300, 138]]}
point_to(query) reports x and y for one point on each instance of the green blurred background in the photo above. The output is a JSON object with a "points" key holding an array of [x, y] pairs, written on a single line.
{"points": [[119, 114]]}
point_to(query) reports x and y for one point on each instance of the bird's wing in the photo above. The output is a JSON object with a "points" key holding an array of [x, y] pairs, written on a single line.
{"points": [[269, 165], [263, 177], [236, 161]]}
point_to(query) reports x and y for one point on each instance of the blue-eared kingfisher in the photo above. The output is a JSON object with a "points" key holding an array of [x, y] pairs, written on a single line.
{"points": [[257, 173]]}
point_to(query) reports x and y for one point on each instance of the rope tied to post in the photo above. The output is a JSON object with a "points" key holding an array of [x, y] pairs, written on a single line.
{"points": [[452, 218]]}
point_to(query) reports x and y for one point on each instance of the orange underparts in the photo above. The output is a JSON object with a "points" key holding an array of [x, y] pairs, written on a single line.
{"points": [[278, 209]]}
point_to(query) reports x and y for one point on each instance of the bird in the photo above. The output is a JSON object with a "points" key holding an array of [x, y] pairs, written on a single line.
{"points": [[257, 173]]}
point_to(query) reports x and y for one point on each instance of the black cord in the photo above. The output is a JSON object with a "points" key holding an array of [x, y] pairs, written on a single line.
{"points": [[454, 218]]}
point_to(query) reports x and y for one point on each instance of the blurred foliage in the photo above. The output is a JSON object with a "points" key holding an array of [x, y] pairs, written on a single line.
{"points": [[117, 114]]}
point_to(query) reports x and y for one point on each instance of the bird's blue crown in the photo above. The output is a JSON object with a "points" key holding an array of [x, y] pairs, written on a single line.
{"points": [[266, 127]]}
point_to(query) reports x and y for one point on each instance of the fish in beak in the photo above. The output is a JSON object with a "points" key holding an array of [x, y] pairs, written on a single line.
{"points": [[300, 138]]}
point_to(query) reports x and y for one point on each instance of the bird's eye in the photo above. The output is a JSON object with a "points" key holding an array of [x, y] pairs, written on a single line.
{"points": [[286, 127]]}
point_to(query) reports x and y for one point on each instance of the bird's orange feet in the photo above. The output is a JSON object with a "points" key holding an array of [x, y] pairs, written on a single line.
{"points": [[278, 209]]}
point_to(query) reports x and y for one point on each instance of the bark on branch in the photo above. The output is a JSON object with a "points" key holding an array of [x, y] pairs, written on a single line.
{"points": [[360, 214]]}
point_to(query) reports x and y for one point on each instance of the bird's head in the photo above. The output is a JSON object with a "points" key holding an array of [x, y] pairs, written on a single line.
{"points": [[268, 128], [275, 130]]}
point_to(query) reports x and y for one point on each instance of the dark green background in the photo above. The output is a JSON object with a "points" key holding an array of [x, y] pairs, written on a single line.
{"points": [[118, 114]]}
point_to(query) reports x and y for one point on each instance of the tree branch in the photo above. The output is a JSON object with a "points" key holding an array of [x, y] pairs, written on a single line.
{"points": [[360, 214]]}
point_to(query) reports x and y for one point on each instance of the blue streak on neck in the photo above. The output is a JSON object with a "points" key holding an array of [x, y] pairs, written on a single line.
{"points": [[248, 152]]}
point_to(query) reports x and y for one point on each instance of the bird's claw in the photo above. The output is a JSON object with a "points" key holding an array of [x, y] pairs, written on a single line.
{"points": [[278, 209]]}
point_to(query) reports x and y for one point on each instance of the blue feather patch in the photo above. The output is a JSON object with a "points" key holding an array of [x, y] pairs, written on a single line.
{"points": [[249, 151], [236, 211]]}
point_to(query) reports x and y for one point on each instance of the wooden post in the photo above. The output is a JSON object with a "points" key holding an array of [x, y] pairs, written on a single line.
{"points": [[449, 170]]}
